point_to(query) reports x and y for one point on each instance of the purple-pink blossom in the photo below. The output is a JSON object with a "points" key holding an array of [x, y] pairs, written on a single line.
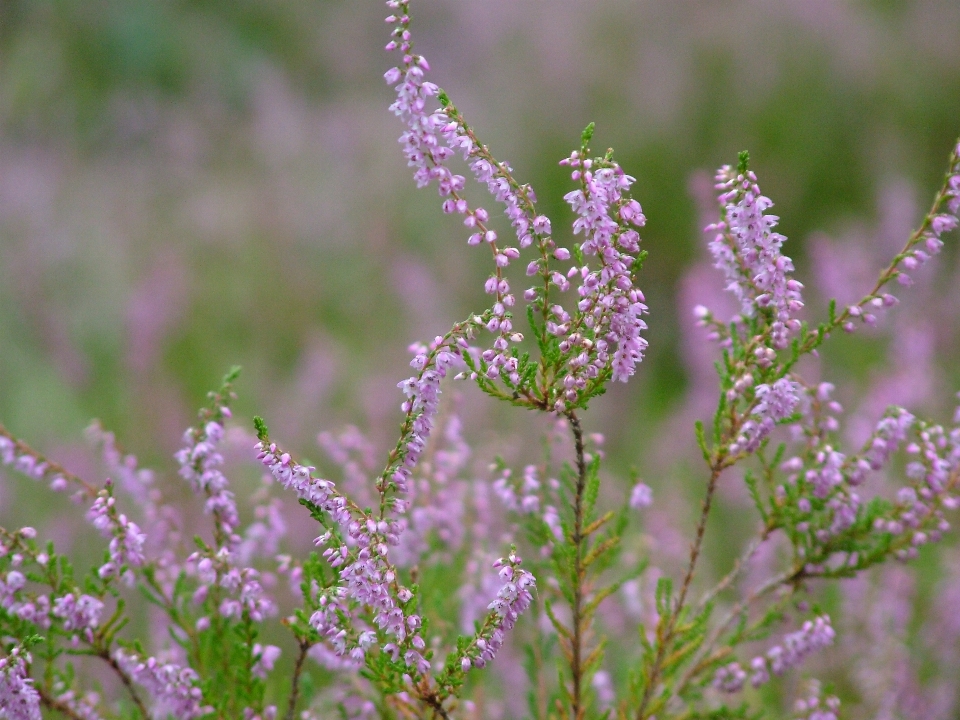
{"points": [[200, 463], [19, 700], [774, 403], [79, 612], [126, 539], [266, 656], [641, 496], [747, 250], [610, 303], [174, 689]]}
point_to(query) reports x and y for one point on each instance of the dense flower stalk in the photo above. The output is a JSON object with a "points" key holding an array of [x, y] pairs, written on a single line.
{"points": [[812, 636], [774, 403], [200, 463], [747, 250], [612, 307], [174, 689], [19, 700], [423, 401], [513, 598], [126, 539], [367, 577], [430, 139]]}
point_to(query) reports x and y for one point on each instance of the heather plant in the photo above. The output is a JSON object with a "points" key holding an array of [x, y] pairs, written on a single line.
{"points": [[425, 578]]}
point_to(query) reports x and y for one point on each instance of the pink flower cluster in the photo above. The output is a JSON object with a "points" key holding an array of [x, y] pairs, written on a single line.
{"points": [[430, 139], [243, 584], [830, 467], [934, 473], [200, 465], [423, 400], [814, 635], [513, 598], [174, 689], [80, 613], [747, 250], [13, 598], [27, 463], [611, 306], [18, 698], [774, 403], [122, 468], [367, 577], [421, 143], [83, 707], [126, 539], [938, 224]]}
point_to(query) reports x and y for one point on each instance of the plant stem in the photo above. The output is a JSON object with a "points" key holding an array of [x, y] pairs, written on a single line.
{"points": [[579, 625], [695, 548], [437, 707], [295, 682], [785, 578], [739, 565], [48, 700], [108, 658]]}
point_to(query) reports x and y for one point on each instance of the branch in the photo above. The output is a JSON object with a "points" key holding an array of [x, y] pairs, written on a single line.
{"points": [[739, 566], [295, 682], [579, 624], [103, 654], [784, 578], [695, 549], [48, 700]]}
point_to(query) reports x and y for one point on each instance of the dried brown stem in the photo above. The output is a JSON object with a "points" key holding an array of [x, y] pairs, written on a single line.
{"points": [[579, 622]]}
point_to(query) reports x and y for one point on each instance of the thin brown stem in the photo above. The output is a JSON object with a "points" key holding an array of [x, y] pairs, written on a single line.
{"points": [[295, 682], [579, 622], [739, 565], [815, 337], [124, 678], [695, 548], [52, 468], [771, 584], [49, 701], [437, 707]]}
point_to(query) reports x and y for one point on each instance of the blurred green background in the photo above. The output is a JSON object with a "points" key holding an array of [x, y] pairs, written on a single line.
{"points": [[185, 186], [189, 185]]}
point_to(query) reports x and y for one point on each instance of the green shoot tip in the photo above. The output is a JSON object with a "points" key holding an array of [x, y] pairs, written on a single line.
{"points": [[743, 160], [587, 134], [262, 433]]}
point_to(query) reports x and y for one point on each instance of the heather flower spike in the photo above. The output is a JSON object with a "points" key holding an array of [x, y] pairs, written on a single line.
{"points": [[426, 575], [747, 250]]}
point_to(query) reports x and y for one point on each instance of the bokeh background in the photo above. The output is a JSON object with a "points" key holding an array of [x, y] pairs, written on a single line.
{"points": [[185, 186]]}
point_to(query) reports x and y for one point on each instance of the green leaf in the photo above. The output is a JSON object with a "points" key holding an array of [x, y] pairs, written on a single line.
{"points": [[592, 490], [702, 441]]}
